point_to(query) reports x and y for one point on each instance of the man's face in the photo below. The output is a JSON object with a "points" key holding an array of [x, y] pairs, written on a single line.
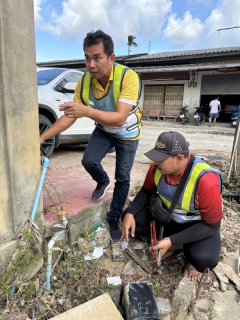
{"points": [[97, 62], [172, 165], [166, 166]]}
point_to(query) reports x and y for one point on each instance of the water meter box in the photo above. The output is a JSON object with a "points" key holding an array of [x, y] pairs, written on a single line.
{"points": [[138, 301]]}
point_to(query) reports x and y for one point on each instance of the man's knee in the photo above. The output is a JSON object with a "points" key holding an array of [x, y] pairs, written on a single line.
{"points": [[201, 261], [88, 164]]}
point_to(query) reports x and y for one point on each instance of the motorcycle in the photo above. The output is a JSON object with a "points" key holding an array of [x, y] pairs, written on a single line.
{"points": [[234, 116], [199, 115], [184, 115]]}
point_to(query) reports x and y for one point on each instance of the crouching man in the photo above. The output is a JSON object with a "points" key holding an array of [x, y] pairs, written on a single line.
{"points": [[193, 223]]}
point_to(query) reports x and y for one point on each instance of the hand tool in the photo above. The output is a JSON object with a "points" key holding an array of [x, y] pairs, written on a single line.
{"points": [[156, 254]]}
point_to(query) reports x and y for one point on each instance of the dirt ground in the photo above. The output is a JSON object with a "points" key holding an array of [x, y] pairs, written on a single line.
{"points": [[75, 281]]}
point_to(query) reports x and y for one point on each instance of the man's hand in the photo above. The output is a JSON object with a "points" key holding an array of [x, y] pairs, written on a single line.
{"points": [[41, 140], [128, 223], [74, 109], [162, 245]]}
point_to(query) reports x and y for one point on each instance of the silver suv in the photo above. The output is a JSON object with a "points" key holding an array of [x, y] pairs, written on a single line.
{"points": [[55, 86]]}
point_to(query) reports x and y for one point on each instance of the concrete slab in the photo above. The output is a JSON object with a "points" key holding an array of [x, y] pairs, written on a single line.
{"points": [[74, 187], [100, 308]]}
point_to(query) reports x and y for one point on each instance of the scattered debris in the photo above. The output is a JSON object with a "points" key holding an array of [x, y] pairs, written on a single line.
{"points": [[163, 305], [231, 274], [117, 252], [140, 262], [114, 281], [128, 269], [223, 280], [97, 253]]}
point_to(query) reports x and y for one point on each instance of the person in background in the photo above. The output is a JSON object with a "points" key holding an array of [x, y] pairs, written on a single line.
{"points": [[194, 224], [215, 107], [108, 94]]}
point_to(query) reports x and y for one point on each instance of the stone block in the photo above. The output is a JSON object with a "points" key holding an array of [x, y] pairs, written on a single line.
{"points": [[138, 301], [183, 296], [100, 308]]}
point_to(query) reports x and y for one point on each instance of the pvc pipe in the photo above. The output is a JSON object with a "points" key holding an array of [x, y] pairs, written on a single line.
{"points": [[49, 263], [45, 166], [57, 236], [234, 151]]}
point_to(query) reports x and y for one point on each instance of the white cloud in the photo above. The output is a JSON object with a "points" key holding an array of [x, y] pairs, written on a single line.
{"points": [[224, 16], [37, 12], [182, 31], [190, 32], [143, 18]]}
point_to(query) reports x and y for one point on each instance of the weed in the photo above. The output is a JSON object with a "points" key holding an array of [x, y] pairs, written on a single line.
{"points": [[156, 287], [23, 258], [54, 196]]}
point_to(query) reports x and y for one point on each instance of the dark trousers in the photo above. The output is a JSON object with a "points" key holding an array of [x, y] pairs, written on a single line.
{"points": [[201, 254], [99, 145]]}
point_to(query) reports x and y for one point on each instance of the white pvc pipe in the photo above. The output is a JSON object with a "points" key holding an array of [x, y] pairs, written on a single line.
{"points": [[234, 151], [57, 236]]}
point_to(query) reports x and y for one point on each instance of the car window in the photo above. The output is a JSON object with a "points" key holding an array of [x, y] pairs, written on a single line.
{"points": [[72, 77], [45, 76]]}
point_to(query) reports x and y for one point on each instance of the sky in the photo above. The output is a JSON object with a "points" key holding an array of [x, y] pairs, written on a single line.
{"points": [[158, 25]]}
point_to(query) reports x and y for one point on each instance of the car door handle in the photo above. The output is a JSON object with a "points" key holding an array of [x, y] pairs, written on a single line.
{"points": [[57, 100]]}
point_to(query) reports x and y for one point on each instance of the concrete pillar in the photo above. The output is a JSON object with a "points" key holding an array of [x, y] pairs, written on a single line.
{"points": [[19, 133]]}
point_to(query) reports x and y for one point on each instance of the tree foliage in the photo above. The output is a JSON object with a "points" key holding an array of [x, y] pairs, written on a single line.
{"points": [[131, 42]]}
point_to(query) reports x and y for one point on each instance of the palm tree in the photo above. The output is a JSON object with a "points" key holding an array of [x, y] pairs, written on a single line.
{"points": [[131, 42]]}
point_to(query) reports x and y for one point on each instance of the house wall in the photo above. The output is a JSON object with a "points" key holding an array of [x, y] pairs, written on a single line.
{"points": [[191, 95]]}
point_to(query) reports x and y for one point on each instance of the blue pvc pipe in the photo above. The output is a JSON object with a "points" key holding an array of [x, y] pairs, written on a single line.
{"points": [[34, 210], [45, 166]]}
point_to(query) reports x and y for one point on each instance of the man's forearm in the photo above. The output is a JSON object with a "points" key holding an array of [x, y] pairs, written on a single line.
{"points": [[60, 125], [140, 201], [111, 118], [196, 232]]}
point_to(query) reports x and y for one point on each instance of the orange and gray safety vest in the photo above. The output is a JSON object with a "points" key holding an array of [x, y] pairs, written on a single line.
{"points": [[131, 129]]}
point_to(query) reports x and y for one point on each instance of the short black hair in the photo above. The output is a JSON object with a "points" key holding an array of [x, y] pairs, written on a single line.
{"points": [[96, 37], [216, 97]]}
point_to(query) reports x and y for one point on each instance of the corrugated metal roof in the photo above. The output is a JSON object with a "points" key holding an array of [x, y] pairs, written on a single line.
{"points": [[118, 58], [186, 53], [188, 67], [157, 56], [61, 61]]}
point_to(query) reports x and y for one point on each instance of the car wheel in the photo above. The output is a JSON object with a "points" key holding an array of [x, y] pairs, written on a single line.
{"points": [[48, 146]]}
